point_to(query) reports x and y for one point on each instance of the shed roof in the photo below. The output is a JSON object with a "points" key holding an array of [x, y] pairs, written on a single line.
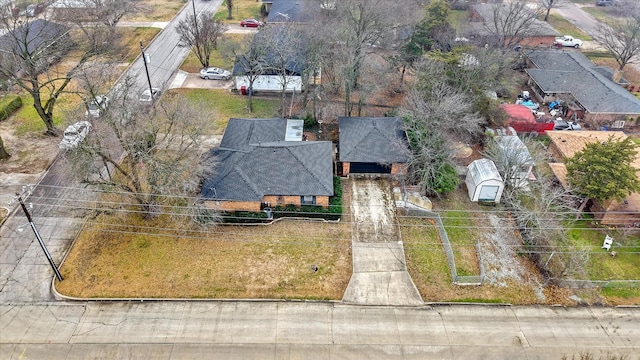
{"points": [[482, 170], [379, 140], [570, 72], [513, 144]]}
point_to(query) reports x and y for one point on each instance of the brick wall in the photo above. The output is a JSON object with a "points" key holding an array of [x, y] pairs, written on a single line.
{"points": [[233, 205], [346, 168]]}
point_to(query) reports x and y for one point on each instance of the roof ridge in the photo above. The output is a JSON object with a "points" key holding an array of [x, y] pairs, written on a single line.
{"points": [[304, 165]]}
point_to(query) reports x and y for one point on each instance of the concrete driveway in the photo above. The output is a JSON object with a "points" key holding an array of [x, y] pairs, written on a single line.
{"points": [[380, 274]]}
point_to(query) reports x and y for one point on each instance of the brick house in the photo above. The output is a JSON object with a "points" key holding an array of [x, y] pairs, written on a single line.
{"points": [[588, 90], [263, 163], [372, 145], [565, 144], [538, 34]]}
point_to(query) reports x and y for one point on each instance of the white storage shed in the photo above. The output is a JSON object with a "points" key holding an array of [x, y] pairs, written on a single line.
{"points": [[484, 182]]}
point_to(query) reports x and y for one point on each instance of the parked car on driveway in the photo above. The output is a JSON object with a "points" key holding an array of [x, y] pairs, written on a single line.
{"points": [[74, 135], [251, 23], [567, 40], [214, 73], [97, 106], [605, 2], [148, 96]]}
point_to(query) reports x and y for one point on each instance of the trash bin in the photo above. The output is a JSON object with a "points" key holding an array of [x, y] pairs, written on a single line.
{"points": [[243, 90]]}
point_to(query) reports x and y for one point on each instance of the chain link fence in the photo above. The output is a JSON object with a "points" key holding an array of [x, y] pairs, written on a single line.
{"points": [[448, 250]]}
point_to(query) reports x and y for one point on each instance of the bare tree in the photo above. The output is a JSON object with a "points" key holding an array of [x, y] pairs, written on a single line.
{"points": [[436, 116], [202, 35], [251, 62], [547, 5], [355, 28], [510, 22], [29, 50], [229, 9], [147, 154], [621, 38], [110, 12]]}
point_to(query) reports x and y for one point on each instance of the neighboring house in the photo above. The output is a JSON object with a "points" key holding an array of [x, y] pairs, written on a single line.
{"points": [[263, 163], [482, 17], [276, 62], [71, 9], [565, 144], [48, 38], [587, 89], [484, 183], [291, 11], [372, 145]]}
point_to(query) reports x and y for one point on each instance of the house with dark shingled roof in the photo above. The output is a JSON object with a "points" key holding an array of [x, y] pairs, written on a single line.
{"points": [[589, 89], [372, 145], [263, 163]]}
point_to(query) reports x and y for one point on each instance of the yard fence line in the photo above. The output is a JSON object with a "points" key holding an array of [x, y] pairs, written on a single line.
{"points": [[448, 250], [598, 284]]}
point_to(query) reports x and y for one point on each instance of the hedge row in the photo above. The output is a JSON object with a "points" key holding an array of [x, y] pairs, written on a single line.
{"points": [[9, 105]]}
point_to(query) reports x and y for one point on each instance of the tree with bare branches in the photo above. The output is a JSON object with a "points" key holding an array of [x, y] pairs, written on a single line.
{"points": [[510, 22], [146, 155], [201, 36], [28, 53], [621, 38], [548, 5]]}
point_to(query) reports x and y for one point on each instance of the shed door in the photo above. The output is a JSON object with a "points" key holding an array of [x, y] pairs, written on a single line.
{"points": [[488, 192], [370, 168]]}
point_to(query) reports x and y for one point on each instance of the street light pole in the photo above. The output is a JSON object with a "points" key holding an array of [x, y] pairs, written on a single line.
{"points": [[146, 69], [42, 245]]}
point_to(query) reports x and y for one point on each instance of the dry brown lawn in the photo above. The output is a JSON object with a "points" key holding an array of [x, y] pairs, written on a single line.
{"points": [[156, 10], [115, 257]]}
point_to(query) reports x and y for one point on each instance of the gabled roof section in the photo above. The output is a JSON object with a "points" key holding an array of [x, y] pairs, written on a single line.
{"points": [[372, 140], [292, 11], [34, 35], [483, 170], [570, 72], [258, 162], [242, 134]]}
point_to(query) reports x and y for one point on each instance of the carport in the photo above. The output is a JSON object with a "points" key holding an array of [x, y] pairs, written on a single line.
{"points": [[369, 168]]}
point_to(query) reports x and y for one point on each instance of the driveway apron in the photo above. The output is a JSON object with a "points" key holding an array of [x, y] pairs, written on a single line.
{"points": [[380, 274]]}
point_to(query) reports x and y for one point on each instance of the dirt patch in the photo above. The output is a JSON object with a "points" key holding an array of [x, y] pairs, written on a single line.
{"points": [[30, 153]]}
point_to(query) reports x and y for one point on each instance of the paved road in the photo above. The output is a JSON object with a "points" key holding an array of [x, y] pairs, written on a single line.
{"points": [[307, 330]]}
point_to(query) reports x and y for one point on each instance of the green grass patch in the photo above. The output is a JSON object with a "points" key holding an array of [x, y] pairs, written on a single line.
{"points": [[218, 58], [131, 40], [459, 227], [242, 9], [602, 265], [601, 13], [227, 105], [623, 293], [27, 120], [564, 27]]}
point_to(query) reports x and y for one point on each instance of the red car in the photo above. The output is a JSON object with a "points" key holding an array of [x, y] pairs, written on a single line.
{"points": [[250, 23]]}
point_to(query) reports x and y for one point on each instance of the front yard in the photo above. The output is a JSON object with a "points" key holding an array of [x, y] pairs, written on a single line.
{"points": [[289, 259]]}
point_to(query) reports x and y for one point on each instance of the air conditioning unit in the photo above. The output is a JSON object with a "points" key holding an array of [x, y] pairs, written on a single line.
{"points": [[618, 124]]}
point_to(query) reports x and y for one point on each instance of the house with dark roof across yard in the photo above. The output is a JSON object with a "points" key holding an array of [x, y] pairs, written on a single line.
{"points": [[291, 11], [589, 90], [372, 145], [263, 163]]}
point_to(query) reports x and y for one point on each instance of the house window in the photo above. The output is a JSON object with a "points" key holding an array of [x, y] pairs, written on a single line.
{"points": [[307, 200], [280, 199]]}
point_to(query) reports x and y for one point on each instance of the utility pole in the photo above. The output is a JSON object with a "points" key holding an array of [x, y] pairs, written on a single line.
{"points": [[42, 245], [146, 69], [195, 20]]}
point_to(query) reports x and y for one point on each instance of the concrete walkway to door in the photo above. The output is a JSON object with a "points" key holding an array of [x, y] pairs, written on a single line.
{"points": [[380, 274]]}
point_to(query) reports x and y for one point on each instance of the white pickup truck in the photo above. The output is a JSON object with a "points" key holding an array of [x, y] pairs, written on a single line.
{"points": [[567, 40]]}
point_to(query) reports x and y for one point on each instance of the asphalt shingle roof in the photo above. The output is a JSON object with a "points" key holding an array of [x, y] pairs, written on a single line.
{"points": [[571, 72], [34, 34], [372, 140], [247, 170]]}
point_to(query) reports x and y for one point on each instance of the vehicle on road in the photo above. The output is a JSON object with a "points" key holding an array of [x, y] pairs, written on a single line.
{"points": [[149, 95], [251, 23], [561, 124], [568, 41], [605, 2], [97, 106], [214, 73], [74, 135]]}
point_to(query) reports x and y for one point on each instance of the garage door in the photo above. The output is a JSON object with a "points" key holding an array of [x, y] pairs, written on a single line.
{"points": [[488, 193], [369, 168]]}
